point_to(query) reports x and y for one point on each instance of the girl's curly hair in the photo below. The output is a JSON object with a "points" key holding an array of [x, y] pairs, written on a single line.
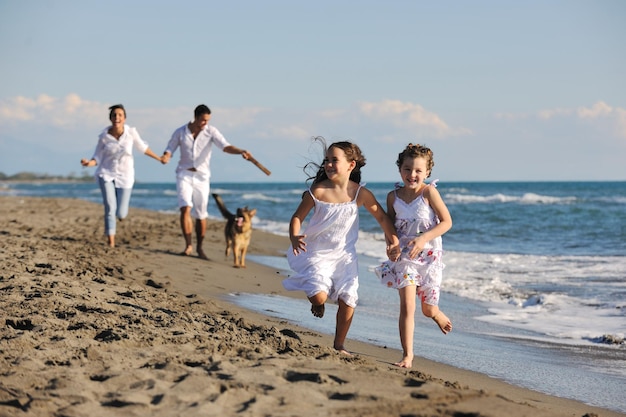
{"points": [[417, 151]]}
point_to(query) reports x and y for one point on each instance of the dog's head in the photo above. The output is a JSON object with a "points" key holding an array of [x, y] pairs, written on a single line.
{"points": [[243, 218]]}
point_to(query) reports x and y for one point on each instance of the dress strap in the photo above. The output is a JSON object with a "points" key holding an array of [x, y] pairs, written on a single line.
{"points": [[396, 187], [361, 185]]}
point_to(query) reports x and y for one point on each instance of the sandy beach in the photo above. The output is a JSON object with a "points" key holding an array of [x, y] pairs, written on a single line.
{"points": [[139, 330]]}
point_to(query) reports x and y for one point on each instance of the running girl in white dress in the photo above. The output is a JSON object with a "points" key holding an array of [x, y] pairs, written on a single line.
{"points": [[324, 255], [420, 217]]}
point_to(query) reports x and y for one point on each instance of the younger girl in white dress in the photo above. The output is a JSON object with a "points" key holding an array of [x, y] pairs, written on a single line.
{"points": [[324, 255], [420, 217]]}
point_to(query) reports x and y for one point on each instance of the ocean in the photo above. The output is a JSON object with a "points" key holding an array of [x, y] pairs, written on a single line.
{"points": [[535, 278]]}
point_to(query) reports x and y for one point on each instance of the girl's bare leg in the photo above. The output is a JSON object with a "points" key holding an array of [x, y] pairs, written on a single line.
{"points": [[438, 316], [406, 324], [317, 304], [345, 313]]}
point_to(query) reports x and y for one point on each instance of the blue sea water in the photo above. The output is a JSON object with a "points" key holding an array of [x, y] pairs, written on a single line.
{"points": [[535, 278]]}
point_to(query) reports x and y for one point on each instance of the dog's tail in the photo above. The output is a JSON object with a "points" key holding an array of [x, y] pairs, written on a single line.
{"points": [[222, 207]]}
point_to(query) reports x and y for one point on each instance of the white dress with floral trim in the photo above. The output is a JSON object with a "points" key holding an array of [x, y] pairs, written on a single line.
{"points": [[425, 270]]}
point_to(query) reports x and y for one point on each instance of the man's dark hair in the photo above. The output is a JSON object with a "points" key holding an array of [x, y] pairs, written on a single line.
{"points": [[200, 110]]}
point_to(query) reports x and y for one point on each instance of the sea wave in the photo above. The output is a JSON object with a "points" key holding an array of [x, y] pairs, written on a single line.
{"points": [[528, 198], [261, 197]]}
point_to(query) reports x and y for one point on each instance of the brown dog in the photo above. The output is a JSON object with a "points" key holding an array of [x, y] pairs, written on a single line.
{"points": [[238, 231]]}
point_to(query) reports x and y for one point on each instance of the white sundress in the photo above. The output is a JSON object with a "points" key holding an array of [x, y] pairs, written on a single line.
{"points": [[330, 262], [425, 270]]}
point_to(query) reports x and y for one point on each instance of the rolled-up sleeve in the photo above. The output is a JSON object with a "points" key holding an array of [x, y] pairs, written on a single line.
{"points": [[140, 144], [174, 141]]}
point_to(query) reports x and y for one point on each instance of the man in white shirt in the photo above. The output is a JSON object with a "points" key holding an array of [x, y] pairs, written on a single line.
{"points": [[195, 140]]}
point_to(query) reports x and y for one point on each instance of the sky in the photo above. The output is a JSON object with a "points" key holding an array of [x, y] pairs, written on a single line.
{"points": [[499, 90]]}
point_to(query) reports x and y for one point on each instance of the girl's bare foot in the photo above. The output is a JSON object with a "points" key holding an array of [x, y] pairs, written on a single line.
{"points": [[187, 251], [342, 350], [406, 362], [318, 311], [111, 240], [443, 322]]}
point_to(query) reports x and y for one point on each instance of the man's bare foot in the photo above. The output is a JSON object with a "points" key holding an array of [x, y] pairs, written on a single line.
{"points": [[406, 362], [318, 311], [187, 251], [202, 255], [443, 322], [342, 350]]}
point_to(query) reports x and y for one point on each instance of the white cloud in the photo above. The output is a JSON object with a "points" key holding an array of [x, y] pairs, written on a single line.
{"points": [[73, 112], [237, 117], [511, 116], [552, 113], [599, 109], [70, 111], [613, 118], [405, 115], [290, 132], [600, 116], [279, 137]]}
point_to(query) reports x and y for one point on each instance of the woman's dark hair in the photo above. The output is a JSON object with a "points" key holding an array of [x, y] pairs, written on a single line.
{"points": [[115, 107], [200, 110], [417, 151], [353, 153]]}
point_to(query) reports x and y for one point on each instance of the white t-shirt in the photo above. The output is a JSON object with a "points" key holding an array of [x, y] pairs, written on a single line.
{"points": [[115, 156], [195, 153]]}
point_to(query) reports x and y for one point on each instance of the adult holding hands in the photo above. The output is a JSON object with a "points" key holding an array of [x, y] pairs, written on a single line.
{"points": [[115, 172], [195, 141]]}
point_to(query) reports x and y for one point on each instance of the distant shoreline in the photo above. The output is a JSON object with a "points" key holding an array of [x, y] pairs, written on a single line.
{"points": [[25, 177], [47, 180]]}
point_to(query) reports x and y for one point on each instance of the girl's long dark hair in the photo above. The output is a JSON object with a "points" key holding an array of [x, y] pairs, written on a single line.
{"points": [[353, 153]]}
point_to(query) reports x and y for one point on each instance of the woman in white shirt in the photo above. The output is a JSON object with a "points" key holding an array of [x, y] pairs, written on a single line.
{"points": [[116, 171]]}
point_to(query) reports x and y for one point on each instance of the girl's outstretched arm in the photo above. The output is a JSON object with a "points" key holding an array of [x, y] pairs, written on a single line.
{"points": [[297, 240], [391, 198], [367, 199]]}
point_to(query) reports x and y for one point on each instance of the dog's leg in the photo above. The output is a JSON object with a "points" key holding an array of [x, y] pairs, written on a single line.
{"points": [[228, 243], [242, 256], [236, 259]]}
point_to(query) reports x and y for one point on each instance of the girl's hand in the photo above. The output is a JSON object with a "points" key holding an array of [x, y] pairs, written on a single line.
{"points": [[393, 252], [298, 244], [416, 246]]}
